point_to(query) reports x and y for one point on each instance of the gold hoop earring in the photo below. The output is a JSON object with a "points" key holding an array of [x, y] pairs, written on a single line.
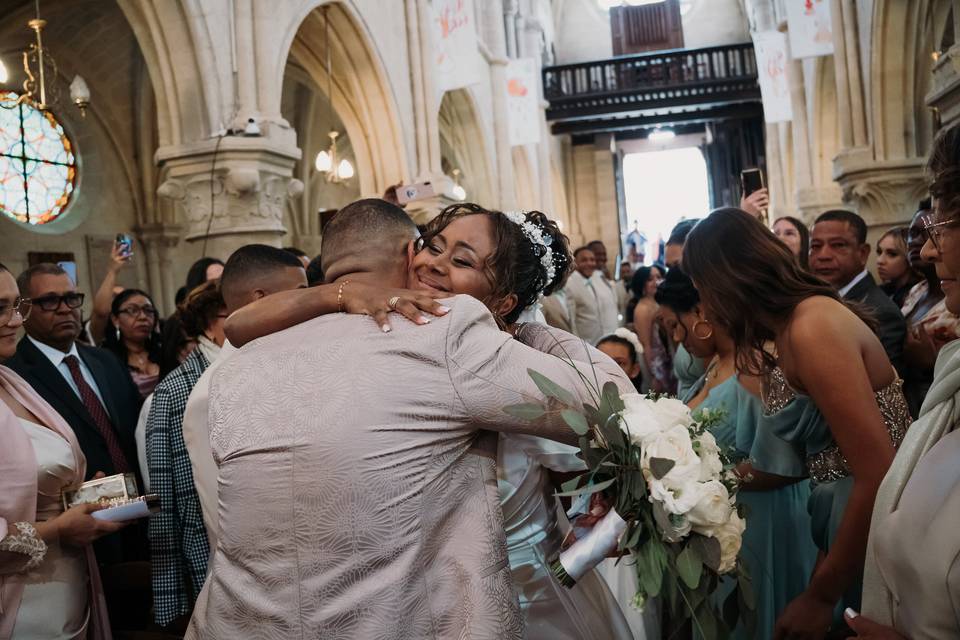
{"points": [[696, 324]]}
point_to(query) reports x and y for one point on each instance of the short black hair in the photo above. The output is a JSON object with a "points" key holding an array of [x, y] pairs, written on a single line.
{"points": [[300, 253], [356, 236], [679, 233], [595, 243], [253, 260], [580, 250], [314, 273], [849, 217], [44, 268], [677, 292]]}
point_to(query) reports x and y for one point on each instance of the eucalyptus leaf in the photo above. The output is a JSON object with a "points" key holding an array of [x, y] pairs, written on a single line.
{"points": [[526, 411], [570, 485], [611, 398], [650, 569], [592, 413], [747, 592], [731, 609], [707, 621], [660, 467], [689, 567], [551, 389], [575, 421], [587, 490], [708, 548]]}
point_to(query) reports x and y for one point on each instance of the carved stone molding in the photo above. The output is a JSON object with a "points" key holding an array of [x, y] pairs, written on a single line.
{"points": [[944, 95], [884, 193], [231, 195]]}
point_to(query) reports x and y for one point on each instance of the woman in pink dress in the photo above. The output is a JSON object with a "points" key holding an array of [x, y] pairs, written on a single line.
{"points": [[49, 582]]}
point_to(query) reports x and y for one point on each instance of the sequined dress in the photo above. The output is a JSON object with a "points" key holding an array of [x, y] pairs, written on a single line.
{"points": [[794, 418]]}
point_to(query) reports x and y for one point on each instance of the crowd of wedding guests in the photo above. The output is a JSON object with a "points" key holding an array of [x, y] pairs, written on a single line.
{"points": [[839, 395]]}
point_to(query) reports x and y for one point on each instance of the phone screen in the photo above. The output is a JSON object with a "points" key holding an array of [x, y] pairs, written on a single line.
{"points": [[751, 180], [124, 244]]}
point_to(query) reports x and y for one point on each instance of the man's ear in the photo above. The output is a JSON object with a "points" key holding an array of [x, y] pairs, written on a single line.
{"points": [[865, 251], [259, 293]]}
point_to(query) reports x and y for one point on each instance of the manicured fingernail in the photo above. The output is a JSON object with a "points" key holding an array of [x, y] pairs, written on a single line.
{"points": [[442, 309], [423, 320], [850, 613], [386, 328]]}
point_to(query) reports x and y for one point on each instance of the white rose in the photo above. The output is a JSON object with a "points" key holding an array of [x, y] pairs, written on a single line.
{"points": [[673, 444], [730, 536], [670, 411], [713, 508], [710, 463], [639, 419], [677, 499]]}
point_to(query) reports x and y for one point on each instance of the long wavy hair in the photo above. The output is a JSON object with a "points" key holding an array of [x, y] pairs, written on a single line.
{"points": [[750, 283]]}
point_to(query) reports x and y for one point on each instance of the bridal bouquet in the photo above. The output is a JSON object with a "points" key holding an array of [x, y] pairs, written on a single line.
{"points": [[673, 493]]}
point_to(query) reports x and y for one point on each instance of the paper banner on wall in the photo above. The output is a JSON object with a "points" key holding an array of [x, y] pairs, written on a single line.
{"points": [[810, 27], [455, 53], [523, 102], [772, 59]]}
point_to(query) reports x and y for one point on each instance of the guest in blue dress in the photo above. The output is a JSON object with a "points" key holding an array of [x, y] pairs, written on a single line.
{"points": [[777, 547], [829, 389]]}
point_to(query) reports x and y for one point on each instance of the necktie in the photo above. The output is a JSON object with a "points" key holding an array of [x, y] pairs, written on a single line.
{"points": [[99, 415]]}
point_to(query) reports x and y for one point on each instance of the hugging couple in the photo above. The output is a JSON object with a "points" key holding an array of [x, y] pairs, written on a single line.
{"points": [[358, 457]]}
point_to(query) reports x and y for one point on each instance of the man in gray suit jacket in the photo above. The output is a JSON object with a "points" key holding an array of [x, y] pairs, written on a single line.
{"points": [[838, 253], [357, 490]]}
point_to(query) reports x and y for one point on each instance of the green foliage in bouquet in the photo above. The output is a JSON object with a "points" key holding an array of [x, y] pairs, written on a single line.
{"points": [[680, 554]]}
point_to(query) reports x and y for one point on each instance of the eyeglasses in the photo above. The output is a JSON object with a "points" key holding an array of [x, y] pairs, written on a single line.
{"points": [[934, 230], [133, 311], [53, 302], [21, 306]]}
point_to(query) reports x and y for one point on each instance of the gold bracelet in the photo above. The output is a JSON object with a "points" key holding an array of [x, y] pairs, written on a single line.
{"points": [[340, 295]]}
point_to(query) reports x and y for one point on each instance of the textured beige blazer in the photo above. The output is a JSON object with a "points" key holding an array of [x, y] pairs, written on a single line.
{"points": [[352, 499]]}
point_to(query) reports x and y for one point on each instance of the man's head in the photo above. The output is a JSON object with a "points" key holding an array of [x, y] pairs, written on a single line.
{"points": [[626, 271], [257, 270], [838, 247], [55, 318], [599, 254], [584, 261], [300, 254], [368, 236], [673, 251]]}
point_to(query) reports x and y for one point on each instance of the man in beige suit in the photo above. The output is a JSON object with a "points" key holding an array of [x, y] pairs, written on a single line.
{"points": [[357, 496]]}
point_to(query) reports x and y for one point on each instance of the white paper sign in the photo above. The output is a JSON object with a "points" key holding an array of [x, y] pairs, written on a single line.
{"points": [[523, 103], [810, 28], [772, 60], [455, 53]]}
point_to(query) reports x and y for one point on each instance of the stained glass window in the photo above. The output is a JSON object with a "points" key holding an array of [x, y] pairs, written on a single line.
{"points": [[38, 170]]}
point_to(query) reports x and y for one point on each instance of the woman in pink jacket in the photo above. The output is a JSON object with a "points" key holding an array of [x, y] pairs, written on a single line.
{"points": [[49, 583]]}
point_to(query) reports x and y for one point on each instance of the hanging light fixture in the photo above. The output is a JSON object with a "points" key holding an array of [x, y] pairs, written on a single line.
{"points": [[326, 161], [38, 63]]}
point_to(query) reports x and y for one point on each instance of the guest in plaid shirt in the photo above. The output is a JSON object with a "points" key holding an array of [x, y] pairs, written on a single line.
{"points": [[178, 539]]}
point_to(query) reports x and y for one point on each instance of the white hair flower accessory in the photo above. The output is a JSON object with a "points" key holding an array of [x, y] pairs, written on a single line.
{"points": [[630, 337], [539, 238]]}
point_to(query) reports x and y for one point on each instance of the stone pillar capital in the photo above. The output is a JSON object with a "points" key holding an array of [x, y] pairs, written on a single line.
{"points": [[229, 191], [885, 193]]}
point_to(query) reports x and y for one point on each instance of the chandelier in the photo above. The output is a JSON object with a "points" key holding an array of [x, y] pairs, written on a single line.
{"points": [[38, 66], [326, 162]]}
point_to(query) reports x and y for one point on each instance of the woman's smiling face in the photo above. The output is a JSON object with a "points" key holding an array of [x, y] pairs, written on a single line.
{"points": [[455, 260]]}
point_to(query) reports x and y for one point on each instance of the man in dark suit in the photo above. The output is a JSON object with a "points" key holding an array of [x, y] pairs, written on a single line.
{"points": [[87, 386], [93, 392], [839, 254]]}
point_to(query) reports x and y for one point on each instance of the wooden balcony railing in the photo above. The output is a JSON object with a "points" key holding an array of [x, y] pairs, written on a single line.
{"points": [[676, 78]]}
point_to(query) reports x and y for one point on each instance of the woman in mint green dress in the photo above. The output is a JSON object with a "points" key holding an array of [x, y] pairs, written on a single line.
{"points": [[777, 547]]}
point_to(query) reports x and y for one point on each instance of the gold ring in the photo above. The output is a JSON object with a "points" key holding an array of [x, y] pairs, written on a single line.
{"points": [[392, 302]]}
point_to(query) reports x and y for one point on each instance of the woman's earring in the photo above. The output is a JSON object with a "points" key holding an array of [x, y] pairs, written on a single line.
{"points": [[117, 327], [696, 324]]}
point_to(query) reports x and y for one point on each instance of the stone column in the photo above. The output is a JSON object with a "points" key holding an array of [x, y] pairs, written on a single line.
{"points": [[158, 240], [229, 192]]}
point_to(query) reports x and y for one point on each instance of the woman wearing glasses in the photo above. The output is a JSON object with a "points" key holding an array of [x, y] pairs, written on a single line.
{"points": [[49, 581], [912, 574], [134, 337]]}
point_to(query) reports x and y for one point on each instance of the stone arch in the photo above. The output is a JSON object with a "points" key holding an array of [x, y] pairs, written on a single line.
{"points": [[903, 37], [361, 92], [464, 144]]}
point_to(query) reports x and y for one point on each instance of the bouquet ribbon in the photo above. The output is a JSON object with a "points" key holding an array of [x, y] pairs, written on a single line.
{"points": [[586, 553]]}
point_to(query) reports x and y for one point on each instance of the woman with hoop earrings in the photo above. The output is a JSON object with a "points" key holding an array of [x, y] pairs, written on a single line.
{"points": [[777, 547]]}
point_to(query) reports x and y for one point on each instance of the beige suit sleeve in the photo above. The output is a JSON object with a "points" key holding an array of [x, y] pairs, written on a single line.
{"points": [[488, 370]]}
